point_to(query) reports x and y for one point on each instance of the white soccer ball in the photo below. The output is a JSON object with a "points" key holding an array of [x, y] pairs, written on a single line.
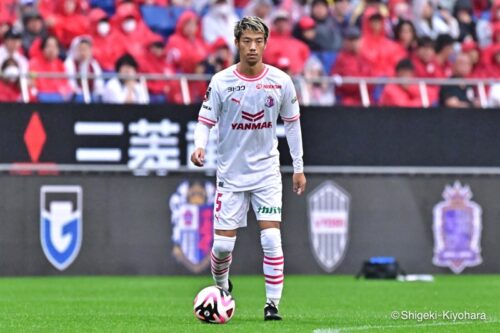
{"points": [[214, 305]]}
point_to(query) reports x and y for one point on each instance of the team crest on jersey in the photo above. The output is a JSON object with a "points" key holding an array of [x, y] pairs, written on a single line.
{"points": [[61, 224], [192, 207], [457, 229], [269, 101], [328, 208]]}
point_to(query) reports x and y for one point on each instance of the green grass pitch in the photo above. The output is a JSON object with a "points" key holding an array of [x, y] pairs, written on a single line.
{"points": [[319, 304]]}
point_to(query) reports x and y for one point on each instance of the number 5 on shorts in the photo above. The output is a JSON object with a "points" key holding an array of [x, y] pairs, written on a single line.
{"points": [[218, 203]]}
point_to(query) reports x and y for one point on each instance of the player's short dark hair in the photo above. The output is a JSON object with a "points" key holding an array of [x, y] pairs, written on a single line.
{"points": [[253, 23]]}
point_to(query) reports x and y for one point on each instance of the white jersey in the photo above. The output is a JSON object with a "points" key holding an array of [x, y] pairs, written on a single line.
{"points": [[246, 110]]}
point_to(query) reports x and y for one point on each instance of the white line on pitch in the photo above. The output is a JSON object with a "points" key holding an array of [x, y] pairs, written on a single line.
{"points": [[416, 326]]}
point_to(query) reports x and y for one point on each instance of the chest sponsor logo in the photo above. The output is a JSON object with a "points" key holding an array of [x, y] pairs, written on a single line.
{"points": [[457, 229], [253, 118]]}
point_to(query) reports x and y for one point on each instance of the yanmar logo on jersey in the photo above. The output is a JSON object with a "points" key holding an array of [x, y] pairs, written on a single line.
{"points": [[253, 118]]}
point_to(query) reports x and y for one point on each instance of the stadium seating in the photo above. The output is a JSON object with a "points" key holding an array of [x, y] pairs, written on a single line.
{"points": [[327, 58], [50, 98], [107, 5], [161, 19]]}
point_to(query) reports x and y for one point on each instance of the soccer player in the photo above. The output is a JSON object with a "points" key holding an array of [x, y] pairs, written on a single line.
{"points": [[244, 100]]}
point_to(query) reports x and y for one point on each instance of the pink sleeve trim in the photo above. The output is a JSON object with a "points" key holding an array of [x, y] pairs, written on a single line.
{"points": [[291, 119]]}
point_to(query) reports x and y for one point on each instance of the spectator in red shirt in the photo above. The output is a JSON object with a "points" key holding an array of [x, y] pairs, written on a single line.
{"points": [[186, 51], [283, 44], [489, 50], [220, 57], [305, 31], [424, 59], [48, 62], [48, 7], [479, 69], [10, 90], [444, 50], [67, 21], [4, 27], [377, 50], [185, 48], [399, 10], [8, 11], [350, 63], [494, 66], [426, 66], [107, 42], [405, 36], [134, 34], [154, 61], [403, 95]]}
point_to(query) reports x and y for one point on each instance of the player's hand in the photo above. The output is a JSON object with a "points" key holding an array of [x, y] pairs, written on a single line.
{"points": [[299, 183], [198, 157]]}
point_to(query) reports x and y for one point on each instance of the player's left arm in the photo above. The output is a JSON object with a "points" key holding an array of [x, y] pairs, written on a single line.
{"points": [[290, 113]]}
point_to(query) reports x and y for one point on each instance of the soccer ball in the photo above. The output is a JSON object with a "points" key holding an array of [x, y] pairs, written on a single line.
{"points": [[214, 305]]}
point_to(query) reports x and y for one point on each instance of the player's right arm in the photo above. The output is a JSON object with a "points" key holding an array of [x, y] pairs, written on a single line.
{"points": [[207, 118]]}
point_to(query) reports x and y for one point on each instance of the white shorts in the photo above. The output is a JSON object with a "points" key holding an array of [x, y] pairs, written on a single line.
{"points": [[231, 208]]}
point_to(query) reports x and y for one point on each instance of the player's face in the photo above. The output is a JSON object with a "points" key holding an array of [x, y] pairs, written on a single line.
{"points": [[251, 47]]}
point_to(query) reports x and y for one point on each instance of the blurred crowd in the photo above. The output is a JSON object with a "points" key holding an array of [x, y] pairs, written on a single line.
{"points": [[310, 39]]}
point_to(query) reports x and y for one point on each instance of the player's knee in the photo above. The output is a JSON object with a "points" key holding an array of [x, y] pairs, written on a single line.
{"points": [[270, 240], [223, 246]]}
